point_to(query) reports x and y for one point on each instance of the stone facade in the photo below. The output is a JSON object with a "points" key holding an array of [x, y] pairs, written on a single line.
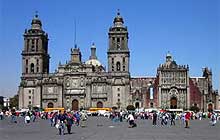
{"points": [[75, 84], [78, 84]]}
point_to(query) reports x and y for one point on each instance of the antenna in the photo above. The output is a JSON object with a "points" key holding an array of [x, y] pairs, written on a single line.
{"points": [[75, 33]]}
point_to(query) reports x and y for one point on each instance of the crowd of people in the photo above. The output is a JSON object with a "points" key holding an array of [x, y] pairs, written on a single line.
{"points": [[63, 120], [164, 118]]}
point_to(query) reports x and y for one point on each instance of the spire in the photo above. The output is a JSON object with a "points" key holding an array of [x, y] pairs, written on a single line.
{"points": [[75, 44], [93, 52], [36, 23], [118, 20]]}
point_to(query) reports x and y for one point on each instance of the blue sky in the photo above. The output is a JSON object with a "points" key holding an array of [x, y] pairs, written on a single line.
{"points": [[189, 29]]}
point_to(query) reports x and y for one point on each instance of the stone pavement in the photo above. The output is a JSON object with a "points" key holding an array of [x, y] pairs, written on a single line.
{"points": [[103, 129]]}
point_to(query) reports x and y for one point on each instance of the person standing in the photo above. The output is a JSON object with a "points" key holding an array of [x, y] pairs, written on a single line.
{"points": [[155, 118], [13, 116], [83, 119], [1, 115], [172, 118], [213, 119], [187, 118], [33, 116], [27, 118]]}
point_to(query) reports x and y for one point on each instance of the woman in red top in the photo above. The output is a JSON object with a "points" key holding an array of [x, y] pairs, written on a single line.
{"points": [[187, 118]]}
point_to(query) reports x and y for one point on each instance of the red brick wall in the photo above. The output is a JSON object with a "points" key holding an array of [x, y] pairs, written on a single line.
{"points": [[195, 94]]}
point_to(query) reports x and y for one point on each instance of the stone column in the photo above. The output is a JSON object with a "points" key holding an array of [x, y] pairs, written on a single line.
{"points": [[159, 97]]}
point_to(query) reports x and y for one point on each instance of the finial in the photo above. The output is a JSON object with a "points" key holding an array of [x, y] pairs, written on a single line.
{"points": [[36, 14], [93, 45], [118, 12]]}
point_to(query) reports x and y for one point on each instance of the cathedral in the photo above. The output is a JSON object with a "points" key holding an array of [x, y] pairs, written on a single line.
{"points": [[81, 85]]}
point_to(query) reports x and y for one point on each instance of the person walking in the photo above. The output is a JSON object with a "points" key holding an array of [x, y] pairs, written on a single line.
{"points": [[77, 118], [69, 122], [61, 121], [155, 118]]}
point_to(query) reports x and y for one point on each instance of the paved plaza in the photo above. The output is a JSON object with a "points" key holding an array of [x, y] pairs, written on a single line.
{"points": [[103, 129]]}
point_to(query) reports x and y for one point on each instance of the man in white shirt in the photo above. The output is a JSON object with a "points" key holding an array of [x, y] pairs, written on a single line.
{"points": [[131, 120]]}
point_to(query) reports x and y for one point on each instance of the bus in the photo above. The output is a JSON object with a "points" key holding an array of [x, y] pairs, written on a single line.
{"points": [[54, 109], [92, 109], [95, 111]]}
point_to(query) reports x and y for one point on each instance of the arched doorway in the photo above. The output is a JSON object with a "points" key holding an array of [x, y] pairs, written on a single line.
{"points": [[210, 107], [99, 104], [137, 105], [75, 105], [173, 103], [50, 105]]}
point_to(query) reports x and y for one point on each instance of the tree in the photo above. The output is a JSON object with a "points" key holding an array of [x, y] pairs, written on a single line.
{"points": [[14, 101], [130, 107], [194, 108]]}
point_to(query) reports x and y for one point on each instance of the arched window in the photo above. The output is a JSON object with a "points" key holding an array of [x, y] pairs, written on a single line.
{"points": [[118, 66], [28, 44], [32, 68], [26, 70], [37, 61], [50, 105], [99, 104]]}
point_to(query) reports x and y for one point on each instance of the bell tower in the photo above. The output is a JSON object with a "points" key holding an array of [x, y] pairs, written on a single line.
{"points": [[35, 57], [118, 51]]}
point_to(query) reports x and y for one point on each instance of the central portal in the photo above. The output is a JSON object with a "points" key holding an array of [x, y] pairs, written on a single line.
{"points": [[173, 103], [75, 105]]}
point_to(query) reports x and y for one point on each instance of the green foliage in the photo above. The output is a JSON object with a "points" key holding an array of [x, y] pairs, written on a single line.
{"points": [[130, 107], [14, 102], [194, 108]]}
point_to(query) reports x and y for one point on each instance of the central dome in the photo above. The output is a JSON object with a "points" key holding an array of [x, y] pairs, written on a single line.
{"points": [[93, 62]]}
